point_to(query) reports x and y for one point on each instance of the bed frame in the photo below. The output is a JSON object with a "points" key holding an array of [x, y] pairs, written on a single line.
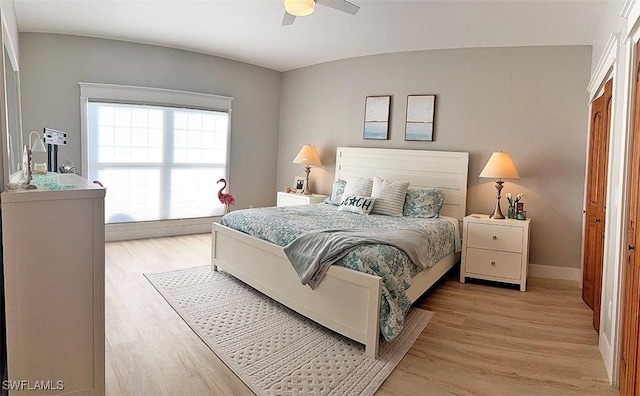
{"points": [[347, 301]]}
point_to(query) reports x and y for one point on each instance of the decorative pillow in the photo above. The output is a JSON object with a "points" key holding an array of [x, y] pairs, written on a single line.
{"points": [[423, 203], [358, 186], [389, 195], [336, 193], [356, 204]]}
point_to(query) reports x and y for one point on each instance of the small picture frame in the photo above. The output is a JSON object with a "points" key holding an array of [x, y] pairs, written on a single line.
{"points": [[298, 184], [376, 117], [420, 124]]}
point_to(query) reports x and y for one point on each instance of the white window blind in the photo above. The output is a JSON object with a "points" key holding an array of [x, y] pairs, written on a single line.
{"points": [[158, 162]]}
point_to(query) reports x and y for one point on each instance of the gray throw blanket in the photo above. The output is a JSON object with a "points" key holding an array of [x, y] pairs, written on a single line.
{"points": [[314, 252]]}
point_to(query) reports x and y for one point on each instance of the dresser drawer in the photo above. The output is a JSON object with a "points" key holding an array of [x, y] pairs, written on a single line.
{"points": [[498, 264], [494, 237]]}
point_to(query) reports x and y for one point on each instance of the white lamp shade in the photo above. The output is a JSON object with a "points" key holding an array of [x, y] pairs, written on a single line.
{"points": [[299, 7], [308, 155], [500, 166]]}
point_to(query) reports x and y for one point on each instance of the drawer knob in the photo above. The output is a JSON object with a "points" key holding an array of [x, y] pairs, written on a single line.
{"points": [[493, 263], [494, 237]]}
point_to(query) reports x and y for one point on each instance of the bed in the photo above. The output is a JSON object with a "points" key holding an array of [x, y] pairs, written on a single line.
{"points": [[264, 265]]}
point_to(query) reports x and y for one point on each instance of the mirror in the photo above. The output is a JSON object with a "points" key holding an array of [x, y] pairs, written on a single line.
{"points": [[11, 120]]}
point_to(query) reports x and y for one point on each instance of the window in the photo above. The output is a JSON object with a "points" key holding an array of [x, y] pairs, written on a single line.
{"points": [[158, 162]]}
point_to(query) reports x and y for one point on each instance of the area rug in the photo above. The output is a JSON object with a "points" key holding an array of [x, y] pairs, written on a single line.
{"points": [[273, 349]]}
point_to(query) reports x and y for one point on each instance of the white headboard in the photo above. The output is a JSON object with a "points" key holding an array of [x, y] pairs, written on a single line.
{"points": [[444, 170]]}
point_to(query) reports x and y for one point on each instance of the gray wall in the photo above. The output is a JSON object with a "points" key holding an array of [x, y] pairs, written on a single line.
{"points": [[531, 102], [52, 65]]}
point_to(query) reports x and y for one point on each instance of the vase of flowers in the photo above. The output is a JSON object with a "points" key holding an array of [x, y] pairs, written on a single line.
{"points": [[512, 204]]}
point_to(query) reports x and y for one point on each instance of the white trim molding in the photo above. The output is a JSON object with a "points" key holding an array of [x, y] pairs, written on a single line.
{"points": [[631, 11], [554, 272], [610, 56], [155, 229], [157, 96]]}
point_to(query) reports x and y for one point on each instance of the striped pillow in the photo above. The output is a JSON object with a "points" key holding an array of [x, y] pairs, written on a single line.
{"points": [[358, 186], [389, 196]]}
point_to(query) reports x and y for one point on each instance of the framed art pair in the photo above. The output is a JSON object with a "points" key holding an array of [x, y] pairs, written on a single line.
{"points": [[420, 114]]}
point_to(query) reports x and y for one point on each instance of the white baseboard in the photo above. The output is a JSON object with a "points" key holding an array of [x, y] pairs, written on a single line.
{"points": [[156, 229], [553, 272]]}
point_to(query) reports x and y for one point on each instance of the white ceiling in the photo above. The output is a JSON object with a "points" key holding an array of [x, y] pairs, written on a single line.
{"points": [[250, 31]]}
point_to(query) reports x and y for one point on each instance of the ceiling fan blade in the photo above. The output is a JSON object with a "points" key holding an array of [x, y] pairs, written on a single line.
{"points": [[288, 19], [341, 5]]}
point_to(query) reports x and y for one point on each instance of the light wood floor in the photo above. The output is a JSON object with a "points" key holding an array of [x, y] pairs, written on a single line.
{"points": [[483, 340]]}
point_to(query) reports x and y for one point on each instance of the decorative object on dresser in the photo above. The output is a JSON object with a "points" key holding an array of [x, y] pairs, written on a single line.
{"points": [[289, 199], [308, 156], [53, 138], [35, 146], [421, 110], [495, 250], [271, 348], [376, 117], [500, 166]]}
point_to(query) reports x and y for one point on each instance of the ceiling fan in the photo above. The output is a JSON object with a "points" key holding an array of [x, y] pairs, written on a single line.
{"points": [[294, 8]]}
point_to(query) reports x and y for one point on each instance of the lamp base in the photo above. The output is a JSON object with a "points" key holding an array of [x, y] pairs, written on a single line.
{"points": [[306, 191], [497, 212]]}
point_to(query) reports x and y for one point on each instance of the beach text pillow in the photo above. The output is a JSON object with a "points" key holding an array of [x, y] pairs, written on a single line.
{"points": [[356, 204]]}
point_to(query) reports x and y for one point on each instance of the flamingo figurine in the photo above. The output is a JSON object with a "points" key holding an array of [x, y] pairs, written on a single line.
{"points": [[226, 199]]}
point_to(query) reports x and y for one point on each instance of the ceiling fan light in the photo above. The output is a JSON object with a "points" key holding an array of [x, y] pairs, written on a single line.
{"points": [[299, 7]]}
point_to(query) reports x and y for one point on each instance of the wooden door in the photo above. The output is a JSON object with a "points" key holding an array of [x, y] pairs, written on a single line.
{"points": [[631, 306], [596, 201]]}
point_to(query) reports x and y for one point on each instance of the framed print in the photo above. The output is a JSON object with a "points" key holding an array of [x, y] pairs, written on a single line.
{"points": [[298, 184], [376, 117], [420, 114]]}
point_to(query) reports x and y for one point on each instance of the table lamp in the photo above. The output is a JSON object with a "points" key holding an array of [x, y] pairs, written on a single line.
{"points": [[500, 166], [308, 156]]}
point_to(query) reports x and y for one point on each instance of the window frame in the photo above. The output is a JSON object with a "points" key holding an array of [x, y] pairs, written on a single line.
{"points": [[159, 97]]}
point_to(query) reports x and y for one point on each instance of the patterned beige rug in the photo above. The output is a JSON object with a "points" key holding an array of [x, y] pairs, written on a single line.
{"points": [[273, 349]]}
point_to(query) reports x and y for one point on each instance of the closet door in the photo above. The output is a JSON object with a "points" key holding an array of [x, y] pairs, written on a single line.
{"points": [[596, 201], [631, 309]]}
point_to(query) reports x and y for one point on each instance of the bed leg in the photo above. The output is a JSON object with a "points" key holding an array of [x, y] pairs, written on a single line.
{"points": [[371, 351]]}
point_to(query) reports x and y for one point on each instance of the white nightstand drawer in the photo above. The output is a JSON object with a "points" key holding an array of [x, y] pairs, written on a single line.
{"points": [[288, 199], [494, 237], [493, 263]]}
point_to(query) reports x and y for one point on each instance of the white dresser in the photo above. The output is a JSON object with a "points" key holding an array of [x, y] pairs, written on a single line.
{"points": [[290, 199], [496, 250], [53, 245]]}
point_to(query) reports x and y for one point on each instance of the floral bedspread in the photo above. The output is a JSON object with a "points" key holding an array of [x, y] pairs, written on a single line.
{"points": [[281, 225]]}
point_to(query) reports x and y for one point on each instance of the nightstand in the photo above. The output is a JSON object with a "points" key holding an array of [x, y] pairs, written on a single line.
{"points": [[496, 250], [289, 199]]}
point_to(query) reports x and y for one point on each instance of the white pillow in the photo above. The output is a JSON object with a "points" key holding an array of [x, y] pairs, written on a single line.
{"points": [[358, 186], [356, 204], [389, 196]]}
